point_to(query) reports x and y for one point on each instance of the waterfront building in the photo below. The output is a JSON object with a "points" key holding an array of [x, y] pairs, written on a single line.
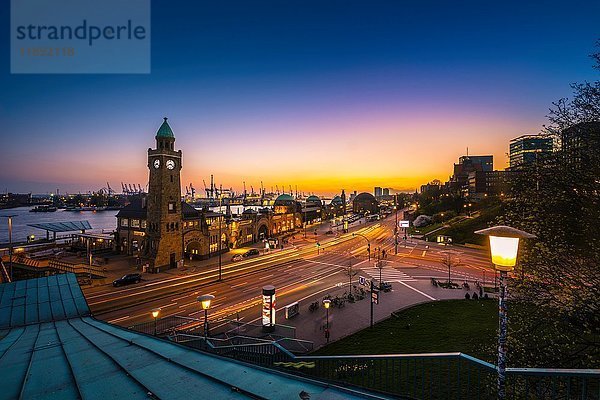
{"points": [[365, 203], [162, 230], [312, 210]]}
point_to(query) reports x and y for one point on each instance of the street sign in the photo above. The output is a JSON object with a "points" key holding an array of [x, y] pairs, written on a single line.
{"points": [[375, 297], [362, 280], [292, 310], [403, 224]]}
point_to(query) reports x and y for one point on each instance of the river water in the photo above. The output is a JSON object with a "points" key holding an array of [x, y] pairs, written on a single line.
{"points": [[99, 220]]}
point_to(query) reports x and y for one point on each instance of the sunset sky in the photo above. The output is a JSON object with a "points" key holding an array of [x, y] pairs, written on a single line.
{"points": [[321, 94]]}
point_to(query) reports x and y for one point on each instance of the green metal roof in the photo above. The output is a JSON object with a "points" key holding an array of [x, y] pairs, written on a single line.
{"points": [[66, 226], [284, 197], [41, 300], [165, 130], [337, 200], [50, 348]]}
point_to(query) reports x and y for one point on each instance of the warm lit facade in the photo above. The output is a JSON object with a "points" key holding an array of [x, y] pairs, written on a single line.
{"points": [[161, 230]]}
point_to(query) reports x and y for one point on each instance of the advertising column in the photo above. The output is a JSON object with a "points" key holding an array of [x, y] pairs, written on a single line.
{"points": [[268, 308]]}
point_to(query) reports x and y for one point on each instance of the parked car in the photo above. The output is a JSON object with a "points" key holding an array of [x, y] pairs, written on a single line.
{"points": [[237, 257], [251, 252], [127, 279], [329, 232]]}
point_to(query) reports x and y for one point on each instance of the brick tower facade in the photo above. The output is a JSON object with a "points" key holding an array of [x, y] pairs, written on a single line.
{"points": [[164, 215]]}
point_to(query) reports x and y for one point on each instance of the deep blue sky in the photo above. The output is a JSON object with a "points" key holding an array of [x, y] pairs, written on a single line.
{"points": [[305, 87]]}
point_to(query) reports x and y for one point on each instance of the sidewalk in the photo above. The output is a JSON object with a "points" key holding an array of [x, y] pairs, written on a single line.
{"points": [[354, 317]]}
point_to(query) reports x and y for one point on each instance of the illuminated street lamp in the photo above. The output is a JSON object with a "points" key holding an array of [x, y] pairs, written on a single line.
{"points": [[205, 300], [155, 312], [326, 304], [396, 225], [10, 246], [504, 246]]}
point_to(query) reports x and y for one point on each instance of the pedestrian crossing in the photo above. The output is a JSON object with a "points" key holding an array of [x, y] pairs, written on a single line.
{"points": [[388, 274]]}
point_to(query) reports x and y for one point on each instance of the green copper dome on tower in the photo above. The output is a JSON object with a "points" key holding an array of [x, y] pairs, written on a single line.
{"points": [[165, 130]]}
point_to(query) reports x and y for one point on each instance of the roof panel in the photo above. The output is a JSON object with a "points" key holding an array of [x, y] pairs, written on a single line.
{"points": [[41, 300], [49, 383], [15, 362], [17, 317], [97, 374], [70, 308], [31, 313], [66, 226]]}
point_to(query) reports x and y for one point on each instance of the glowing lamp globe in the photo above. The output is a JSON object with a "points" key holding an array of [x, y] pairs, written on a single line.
{"points": [[326, 303], [155, 312], [504, 245], [205, 300]]}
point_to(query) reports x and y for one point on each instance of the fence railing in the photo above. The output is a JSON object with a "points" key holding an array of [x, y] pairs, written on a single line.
{"points": [[447, 376], [252, 350], [430, 376], [165, 326], [77, 269]]}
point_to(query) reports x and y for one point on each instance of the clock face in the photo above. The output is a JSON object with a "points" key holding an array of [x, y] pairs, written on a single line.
{"points": [[156, 163], [170, 164]]}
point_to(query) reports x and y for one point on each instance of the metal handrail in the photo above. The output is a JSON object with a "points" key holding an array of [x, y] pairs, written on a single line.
{"points": [[554, 371], [383, 356]]}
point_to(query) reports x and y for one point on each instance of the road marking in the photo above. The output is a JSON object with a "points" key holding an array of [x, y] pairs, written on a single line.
{"points": [[179, 298], [239, 284], [335, 265], [417, 290], [112, 321]]}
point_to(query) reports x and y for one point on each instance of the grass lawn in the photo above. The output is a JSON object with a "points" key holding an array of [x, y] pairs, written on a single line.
{"points": [[467, 326], [464, 231], [424, 230]]}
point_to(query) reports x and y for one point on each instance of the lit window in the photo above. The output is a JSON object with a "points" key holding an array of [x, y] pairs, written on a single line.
{"points": [[172, 207]]}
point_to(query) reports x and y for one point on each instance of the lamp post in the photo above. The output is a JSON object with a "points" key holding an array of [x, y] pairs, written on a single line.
{"points": [[10, 245], [326, 304], [205, 300], [305, 222], [504, 245], [155, 312], [220, 222], [380, 266], [396, 227]]}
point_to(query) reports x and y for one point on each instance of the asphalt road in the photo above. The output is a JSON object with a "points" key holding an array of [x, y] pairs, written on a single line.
{"points": [[298, 273]]}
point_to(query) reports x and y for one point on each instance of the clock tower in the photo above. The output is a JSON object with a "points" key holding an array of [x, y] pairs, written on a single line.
{"points": [[164, 216]]}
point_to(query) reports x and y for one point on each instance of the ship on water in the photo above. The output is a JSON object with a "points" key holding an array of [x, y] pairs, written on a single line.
{"points": [[43, 208]]}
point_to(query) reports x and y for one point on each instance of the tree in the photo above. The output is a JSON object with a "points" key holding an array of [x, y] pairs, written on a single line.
{"points": [[450, 260], [558, 199]]}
